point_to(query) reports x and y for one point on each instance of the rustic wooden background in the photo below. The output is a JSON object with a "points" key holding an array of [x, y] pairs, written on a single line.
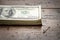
{"points": [[50, 20]]}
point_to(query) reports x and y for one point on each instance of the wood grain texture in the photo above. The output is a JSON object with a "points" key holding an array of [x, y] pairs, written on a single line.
{"points": [[43, 3], [53, 14], [50, 21]]}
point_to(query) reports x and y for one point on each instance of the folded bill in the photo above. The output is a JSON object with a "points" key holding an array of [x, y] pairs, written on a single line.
{"points": [[20, 14]]}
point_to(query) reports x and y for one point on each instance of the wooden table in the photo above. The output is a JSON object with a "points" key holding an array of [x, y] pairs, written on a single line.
{"points": [[50, 20]]}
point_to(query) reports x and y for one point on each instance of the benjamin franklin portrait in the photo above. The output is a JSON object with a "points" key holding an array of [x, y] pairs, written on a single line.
{"points": [[7, 12]]}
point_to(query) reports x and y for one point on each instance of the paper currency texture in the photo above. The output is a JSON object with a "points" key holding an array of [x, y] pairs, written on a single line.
{"points": [[20, 12]]}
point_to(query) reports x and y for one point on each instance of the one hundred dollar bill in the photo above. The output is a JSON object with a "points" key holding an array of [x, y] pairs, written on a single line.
{"points": [[18, 12], [20, 15]]}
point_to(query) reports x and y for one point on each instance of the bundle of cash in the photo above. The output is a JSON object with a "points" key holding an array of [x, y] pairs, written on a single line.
{"points": [[25, 14]]}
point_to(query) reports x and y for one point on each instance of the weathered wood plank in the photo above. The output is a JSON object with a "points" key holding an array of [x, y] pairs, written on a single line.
{"points": [[44, 3], [53, 14]]}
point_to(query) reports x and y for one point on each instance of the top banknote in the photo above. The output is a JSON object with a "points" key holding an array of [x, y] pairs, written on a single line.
{"points": [[20, 12]]}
